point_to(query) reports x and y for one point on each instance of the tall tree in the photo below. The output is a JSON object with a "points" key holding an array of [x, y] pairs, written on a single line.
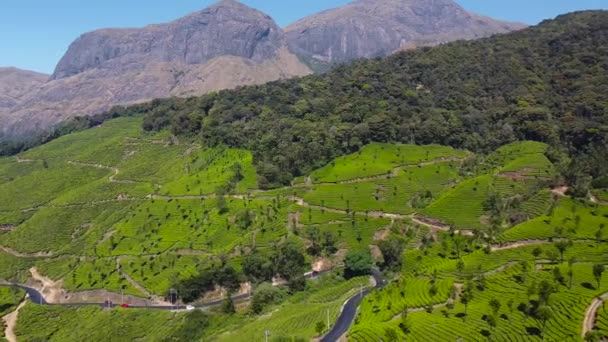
{"points": [[598, 271]]}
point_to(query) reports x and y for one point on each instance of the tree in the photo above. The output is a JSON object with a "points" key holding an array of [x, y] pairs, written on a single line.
{"points": [[222, 207], [536, 252], [545, 290], [357, 263], [544, 314], [460, 266], [598, 271], [552, 255], [244, 219], [391, 334], [314, 236], [458, 240], [557, 276], [320, 327], [392, 252], [495, 306], [258, 268], [593, 336], [511, 307], [329, 243], [289, 260], [562, 246], [265, 294], [466, 297], [404, 325], [228, 304], [492, 321]]}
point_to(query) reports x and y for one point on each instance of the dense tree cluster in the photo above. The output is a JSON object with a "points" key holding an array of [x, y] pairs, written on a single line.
{"points": [[287, 262], [545, 83]]}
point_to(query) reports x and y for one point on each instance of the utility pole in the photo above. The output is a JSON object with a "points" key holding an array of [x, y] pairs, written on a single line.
{"points": [[122, 296], [327, 320], [267, 334]]}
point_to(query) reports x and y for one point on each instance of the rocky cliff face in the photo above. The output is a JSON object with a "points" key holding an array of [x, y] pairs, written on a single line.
{"points": [[372, 28], [227, 28], [15, 84], [223, 46]]}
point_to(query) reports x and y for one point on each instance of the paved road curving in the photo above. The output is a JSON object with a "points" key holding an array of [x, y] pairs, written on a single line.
{"points": [[37, 298], [349, 311]]}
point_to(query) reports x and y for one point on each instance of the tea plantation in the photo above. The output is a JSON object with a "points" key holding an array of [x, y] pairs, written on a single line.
{"points": [[473, 247]]}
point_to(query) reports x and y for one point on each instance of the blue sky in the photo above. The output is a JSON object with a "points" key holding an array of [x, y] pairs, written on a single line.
{"points": [[34, 34]]}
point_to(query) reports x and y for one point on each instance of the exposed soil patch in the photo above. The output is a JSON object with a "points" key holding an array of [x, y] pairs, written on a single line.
{"points": [[10, 321], [560, 191], [13, 252], [322, 264], [376, 253], [516, 175], [518, 245], [591, 314], [6, 227], [432, 223], [382, 235]]}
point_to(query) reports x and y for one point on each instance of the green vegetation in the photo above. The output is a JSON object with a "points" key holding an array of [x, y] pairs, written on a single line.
{"points": [[9, 299], [491, 235], [381, 159], [96, 324], [569, 219], [463, 206], [401, 192], [480, 96], [298, 316]]}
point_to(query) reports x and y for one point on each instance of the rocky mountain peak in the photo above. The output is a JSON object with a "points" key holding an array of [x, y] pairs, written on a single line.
{"points": [[225, 28], [225, 45], [372, 28]]}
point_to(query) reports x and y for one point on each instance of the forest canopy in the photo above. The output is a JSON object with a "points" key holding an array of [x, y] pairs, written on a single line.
{"points": [[546, 83]]}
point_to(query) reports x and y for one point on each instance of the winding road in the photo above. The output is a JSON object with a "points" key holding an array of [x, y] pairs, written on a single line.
{"points": [[349, 310], [591, 314], [37, 298]]}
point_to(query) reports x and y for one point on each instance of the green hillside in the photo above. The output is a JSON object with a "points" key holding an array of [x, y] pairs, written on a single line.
{"points": [[140, 227], [472, 176]]}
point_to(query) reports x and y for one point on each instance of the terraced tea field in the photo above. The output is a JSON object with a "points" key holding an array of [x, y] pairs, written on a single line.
{"points": [[113, 210]]}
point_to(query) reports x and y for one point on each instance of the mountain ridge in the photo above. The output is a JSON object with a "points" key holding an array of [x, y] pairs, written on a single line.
{"points": [[222, 46], [225, 45], [15, 83], [377, 28]]}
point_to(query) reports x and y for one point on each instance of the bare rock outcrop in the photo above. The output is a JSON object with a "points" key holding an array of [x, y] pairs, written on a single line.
{"points": [[223, 46], [15, 84], [374, 28]]}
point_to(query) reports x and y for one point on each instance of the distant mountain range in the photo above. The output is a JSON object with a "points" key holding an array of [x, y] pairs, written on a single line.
{"points": [[223, 46]]}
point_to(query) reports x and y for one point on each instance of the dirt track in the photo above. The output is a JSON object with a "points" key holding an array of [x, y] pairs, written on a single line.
{"points": [[11, 322], [591, 314]]}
